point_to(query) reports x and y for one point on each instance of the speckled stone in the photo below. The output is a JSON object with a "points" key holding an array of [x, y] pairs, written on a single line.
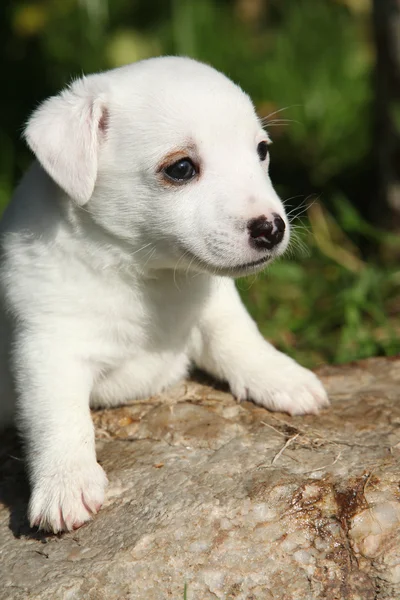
{"points": [[229, 499]]}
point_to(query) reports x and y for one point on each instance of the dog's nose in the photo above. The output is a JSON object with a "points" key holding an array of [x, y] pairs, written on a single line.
{"points": [[264, 234]]}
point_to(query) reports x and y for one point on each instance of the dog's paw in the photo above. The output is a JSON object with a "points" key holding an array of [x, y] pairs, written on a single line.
{"points": [[66, 500], [282, 385]]}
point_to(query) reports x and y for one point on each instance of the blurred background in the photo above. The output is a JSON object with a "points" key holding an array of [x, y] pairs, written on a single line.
{"points": [[326, 76]]}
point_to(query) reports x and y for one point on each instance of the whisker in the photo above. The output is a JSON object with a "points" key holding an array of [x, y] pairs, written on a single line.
{"points": [[269, 125], [149, 255], [299, 227], [292, 198], [140, 249], [298, 247], [176, 267], [303, 207], [280, 123], [188, 268], [263, 119]]}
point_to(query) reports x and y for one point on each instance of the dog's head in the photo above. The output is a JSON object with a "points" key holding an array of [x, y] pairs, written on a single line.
{"points": [[169, 156]]}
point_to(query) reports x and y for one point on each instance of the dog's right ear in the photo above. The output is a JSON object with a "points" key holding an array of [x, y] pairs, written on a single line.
{"points": [[64, 133]]}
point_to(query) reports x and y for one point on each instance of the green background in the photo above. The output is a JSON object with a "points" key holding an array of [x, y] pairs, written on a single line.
{"points": [[309, 66]]}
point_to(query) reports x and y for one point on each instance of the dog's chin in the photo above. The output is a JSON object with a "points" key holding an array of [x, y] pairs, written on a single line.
{"points": [[239, 270]]}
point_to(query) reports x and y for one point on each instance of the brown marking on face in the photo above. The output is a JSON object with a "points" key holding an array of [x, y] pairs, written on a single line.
{"points": [[187, 151]]}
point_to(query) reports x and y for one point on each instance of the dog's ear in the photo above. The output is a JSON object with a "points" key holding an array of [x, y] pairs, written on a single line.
{"points": [[64, 133]]}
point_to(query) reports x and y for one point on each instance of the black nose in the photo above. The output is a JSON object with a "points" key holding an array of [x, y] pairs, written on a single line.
{"points": [[264, 234]]}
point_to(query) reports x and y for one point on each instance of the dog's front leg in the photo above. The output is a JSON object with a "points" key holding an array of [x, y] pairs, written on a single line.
{"points": [[228, 345], [67, 483]]}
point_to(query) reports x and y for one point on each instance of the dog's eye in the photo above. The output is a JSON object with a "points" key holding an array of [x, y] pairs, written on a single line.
{"points": [[182, 170], [262, 150]]}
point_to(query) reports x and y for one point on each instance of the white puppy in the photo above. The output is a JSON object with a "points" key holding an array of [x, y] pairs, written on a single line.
{"points": [[149, 194]]}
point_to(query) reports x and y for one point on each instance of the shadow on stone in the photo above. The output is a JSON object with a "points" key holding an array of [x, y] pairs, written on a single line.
{"points": [[206, 379], [14, 486]]}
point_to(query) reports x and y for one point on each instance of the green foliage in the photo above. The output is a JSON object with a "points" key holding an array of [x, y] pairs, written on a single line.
{"points": [[313, 59], [330, 308], [310, 58]]}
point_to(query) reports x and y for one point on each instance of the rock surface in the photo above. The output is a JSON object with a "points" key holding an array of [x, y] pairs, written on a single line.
{"points": [[227, 499]]}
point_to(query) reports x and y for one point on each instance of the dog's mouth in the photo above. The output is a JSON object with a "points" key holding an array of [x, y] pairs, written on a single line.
{"points": [[254, 263], [238, 270]]}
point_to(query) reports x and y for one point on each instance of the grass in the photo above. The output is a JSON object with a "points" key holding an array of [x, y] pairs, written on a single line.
{"points": [[327, 305]]}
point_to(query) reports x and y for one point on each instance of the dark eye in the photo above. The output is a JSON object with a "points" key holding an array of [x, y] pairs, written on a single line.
{"points": [[262, 150], [182, 170]]}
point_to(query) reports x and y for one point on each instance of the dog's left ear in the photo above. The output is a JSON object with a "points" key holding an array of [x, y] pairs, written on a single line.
{"points": [[64, 133]]}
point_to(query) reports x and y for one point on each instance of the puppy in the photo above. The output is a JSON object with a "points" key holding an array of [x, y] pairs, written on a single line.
{"points": [[149, 194]]}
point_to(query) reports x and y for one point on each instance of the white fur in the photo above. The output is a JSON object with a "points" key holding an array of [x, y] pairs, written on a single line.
{"points": [[115, 280]]}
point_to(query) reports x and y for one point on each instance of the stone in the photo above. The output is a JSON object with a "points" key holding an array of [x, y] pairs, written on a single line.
{"points": [[210, 499]]}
